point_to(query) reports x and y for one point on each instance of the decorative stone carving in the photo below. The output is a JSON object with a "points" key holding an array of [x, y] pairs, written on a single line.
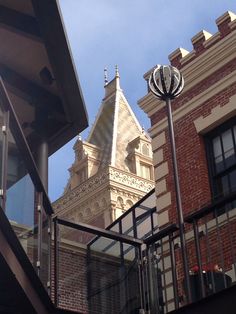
{"points": [[130, 180]]}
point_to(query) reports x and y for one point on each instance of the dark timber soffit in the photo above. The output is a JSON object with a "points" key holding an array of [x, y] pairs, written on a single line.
{"points": [[57, 45], [20, 22], [30, 91], [38, 25]]}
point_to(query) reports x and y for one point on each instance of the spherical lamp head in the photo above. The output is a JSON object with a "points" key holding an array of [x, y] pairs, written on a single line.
{"points": [[166, 82]]}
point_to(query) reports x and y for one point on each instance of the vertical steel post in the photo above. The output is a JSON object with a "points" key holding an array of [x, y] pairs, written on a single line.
{"points": [[154, 301], [173, 271], [5, 132], [199, 260], [178, 199], [140, 275], [49, 284], [56, 262], [40, 226], [42, 162]]}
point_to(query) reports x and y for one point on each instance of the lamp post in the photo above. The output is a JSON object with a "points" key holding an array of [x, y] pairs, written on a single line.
{"points": [[166, 83]]}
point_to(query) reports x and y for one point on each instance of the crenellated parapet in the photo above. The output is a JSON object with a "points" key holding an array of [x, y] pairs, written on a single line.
{"points": [[203, 40], [201, 67]]}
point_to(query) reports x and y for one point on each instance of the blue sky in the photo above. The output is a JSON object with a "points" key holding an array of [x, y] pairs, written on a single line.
{"points": [[135, 35]]}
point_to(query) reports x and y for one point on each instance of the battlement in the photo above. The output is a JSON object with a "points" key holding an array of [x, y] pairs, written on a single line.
{"points": [[203, 40]]}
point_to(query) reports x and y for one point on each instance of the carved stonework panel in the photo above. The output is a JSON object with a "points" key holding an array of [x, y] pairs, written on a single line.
{"points": [[130, 180]]}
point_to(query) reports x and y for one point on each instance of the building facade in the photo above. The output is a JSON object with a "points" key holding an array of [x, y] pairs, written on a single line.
{"points": [[204, 121], [113, 169]]}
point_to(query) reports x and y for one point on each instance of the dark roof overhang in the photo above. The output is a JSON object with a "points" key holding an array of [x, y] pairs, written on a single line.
{"points": [[38, 71]]}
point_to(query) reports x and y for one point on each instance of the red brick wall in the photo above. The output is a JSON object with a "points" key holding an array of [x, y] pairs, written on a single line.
{"points": [[192, 164], [193, 169], [96, 283]]}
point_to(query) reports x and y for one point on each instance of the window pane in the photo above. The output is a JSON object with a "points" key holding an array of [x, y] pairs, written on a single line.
{"points": [[217, 151], [217, 147], [145, 171], [227, 140], [228, 146], [233, 181], [222, 185]]}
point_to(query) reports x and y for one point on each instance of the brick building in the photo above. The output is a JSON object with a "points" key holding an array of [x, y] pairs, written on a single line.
{"points": [[205, 131], [204, 122], [132, 266]]}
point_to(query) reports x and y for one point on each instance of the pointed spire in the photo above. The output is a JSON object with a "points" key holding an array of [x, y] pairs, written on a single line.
{"points": [[105, 77]]}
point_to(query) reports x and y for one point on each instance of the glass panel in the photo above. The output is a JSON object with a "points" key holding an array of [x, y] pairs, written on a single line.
{"points": [[145, 171], [227, 140], [228, 148], [233, 181], [20, 202], [101, 277], [218, 154], [115, 228], [217, 147], [222, 186], [1, 147], [127, 225], [144, 227]]}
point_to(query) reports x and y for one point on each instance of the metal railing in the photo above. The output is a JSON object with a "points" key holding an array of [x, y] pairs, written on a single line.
{"points": [[211, 249], [96, 270]]}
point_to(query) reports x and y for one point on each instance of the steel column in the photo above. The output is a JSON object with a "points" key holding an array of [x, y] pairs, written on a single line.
{"points": [[199, 260], [42, 162], [178, 199]]}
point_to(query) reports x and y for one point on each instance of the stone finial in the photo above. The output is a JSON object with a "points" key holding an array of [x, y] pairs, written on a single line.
{"points": [[117, 71], [224, 21], [105, 77], [176, 56], [199, 39]]}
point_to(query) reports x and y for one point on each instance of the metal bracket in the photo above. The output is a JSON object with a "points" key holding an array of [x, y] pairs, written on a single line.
{"points": [[38, 264]]}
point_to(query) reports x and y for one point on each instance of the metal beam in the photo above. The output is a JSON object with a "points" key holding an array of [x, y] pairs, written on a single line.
{"points": [[100, 232], [20, 23]]}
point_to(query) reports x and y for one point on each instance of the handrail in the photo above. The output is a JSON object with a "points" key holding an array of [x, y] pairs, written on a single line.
{"points": [[161, 234], [132, 208], [24, 147], [99, 231]]}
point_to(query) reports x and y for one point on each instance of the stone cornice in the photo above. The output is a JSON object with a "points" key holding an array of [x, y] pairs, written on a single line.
{"points": [[89, 187], [108, 177]]}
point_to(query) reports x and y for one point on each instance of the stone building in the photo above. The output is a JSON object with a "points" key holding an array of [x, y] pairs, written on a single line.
{"points": [[113, 169]]}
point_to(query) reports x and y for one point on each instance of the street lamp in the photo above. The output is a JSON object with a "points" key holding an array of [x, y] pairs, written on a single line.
{"points": [[166, 83]]}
